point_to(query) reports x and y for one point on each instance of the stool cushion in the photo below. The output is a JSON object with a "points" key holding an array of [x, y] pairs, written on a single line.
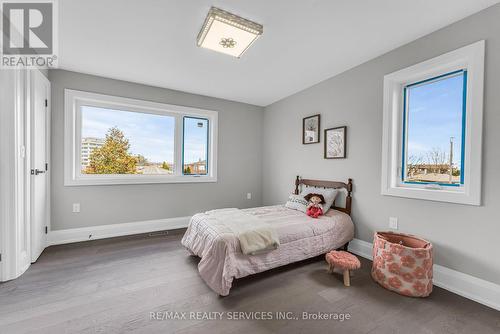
{"points": [[343, 260]]}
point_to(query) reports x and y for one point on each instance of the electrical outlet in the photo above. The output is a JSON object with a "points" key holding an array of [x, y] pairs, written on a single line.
{"points": [[249, 195], [76, 207], [393, 223]]}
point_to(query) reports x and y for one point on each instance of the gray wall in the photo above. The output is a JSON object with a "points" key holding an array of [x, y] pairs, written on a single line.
{"points": [[239, 162], [466, 238]]}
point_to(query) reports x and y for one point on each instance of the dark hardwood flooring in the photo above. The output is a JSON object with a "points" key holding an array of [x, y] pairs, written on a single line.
{"points": [[112, 286]]}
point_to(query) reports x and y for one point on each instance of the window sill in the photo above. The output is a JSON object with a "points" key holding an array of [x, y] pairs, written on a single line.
{"points": [[133, 179], [458, 195]]}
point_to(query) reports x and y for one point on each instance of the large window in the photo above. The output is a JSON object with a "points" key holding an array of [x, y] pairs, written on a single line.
{"points": [[432, 128], [114, 140], [124, 142]]}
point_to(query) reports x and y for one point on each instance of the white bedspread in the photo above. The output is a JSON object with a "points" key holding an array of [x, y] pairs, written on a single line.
{"points": [[300, 237]]}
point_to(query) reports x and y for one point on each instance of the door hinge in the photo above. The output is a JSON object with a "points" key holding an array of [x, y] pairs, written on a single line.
{"points": [[46, 230], [0, 257], [46, 166], [46, 103]]}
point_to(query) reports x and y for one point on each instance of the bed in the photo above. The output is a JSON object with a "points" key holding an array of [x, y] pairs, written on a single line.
{"points": [[300, 236]]}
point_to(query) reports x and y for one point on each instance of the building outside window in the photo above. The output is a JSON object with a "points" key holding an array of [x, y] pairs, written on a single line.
{"points": [[89, 144]]}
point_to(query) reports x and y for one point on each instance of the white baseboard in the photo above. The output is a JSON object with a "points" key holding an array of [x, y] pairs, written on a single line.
{"points": [[465, 285], [361, 248], [59, 237]]}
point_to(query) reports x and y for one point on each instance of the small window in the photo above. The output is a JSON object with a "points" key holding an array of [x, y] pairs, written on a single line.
{"points": [[434, 130], [117, 140], [195, 146]]}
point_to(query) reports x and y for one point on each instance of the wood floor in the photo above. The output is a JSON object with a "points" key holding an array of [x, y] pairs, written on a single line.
{"points": [[111, 286]]}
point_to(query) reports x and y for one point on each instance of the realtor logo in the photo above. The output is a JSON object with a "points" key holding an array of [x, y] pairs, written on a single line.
{"points": [[28, 34]]}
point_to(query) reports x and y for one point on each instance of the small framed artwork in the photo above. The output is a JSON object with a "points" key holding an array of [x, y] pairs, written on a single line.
{"points": [[335, 143], [310, 129]]}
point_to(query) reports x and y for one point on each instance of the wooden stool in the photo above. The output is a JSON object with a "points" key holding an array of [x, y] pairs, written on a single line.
{"points": [[344, 261]]}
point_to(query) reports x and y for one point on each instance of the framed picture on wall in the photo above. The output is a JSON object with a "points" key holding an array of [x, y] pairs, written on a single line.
{"points": [[335, 143], [310, 129]]}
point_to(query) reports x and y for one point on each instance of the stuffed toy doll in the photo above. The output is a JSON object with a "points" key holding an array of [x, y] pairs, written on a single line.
{"points": [[315, 206]]}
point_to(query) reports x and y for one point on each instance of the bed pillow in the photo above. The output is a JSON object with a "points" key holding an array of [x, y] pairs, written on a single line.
{"points": [[328, 193], [296, 202]]}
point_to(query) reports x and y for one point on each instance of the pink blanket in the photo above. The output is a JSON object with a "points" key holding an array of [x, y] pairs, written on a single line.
{"points": [[301, 237]]}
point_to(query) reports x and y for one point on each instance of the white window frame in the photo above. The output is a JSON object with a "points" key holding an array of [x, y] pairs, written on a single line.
{"points": [[469, 58], [74, 99]]}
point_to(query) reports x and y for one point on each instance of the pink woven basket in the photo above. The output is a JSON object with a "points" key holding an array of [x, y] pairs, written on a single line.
{"points": [[402, 263]]}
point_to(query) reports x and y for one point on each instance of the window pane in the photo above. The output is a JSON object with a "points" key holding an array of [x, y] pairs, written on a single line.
{"points": [[126, 142], [195, 146], [434, 114]]}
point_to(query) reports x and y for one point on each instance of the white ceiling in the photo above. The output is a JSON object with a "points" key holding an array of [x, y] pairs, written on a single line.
{"points": [[304, 42]]}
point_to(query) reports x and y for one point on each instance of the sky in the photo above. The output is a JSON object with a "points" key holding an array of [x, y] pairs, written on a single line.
{"points": [[195, 134], [435, 115], [148, 134]]}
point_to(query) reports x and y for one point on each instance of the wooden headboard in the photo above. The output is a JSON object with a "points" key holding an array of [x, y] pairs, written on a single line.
{"points": [[329, 184]]}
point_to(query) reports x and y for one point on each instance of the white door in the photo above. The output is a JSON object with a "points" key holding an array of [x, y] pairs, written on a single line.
{"points": [[39, 102]]}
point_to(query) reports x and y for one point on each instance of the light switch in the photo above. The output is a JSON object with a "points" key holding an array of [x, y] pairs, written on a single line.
{"points": [[393, 223]]}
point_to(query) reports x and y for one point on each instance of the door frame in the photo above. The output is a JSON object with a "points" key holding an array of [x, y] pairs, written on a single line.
{"points": [[15, 178], [14, 226], [29, 142]]}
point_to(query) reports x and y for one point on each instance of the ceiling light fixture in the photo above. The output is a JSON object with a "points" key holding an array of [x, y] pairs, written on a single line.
{"points": [[227, 33]]}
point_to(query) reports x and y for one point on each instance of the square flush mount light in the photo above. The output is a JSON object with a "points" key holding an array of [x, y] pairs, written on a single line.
{"points": [[227, 33]]}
